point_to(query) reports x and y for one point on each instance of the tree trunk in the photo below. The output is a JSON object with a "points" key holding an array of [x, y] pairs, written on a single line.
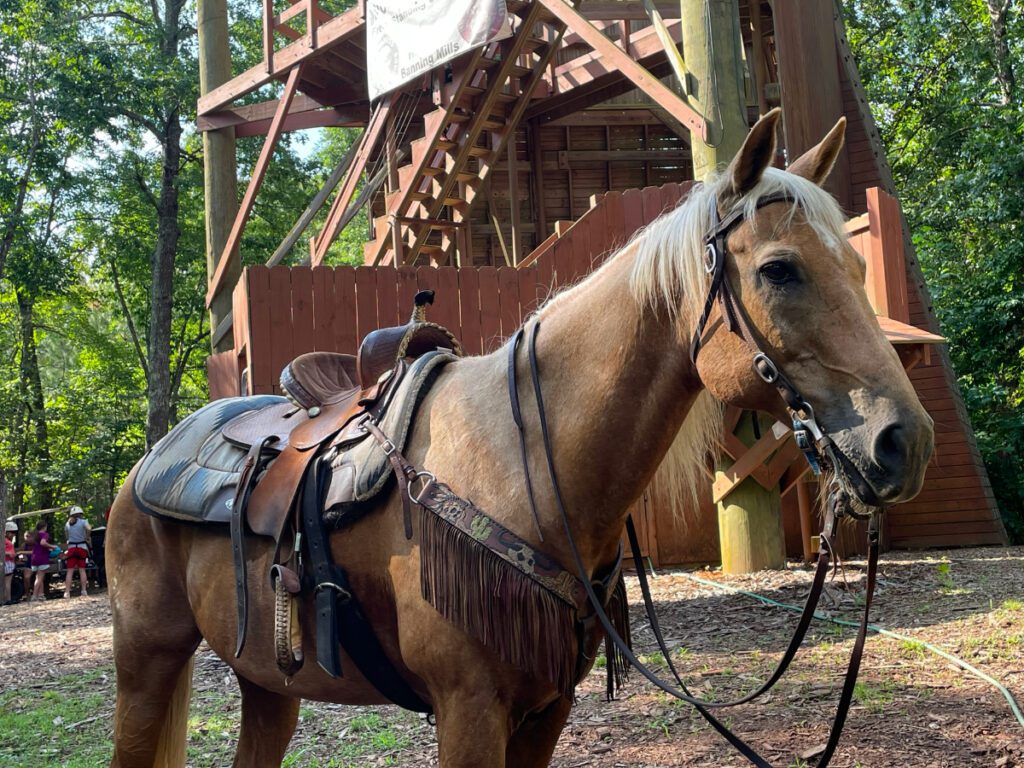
{"points": [[158, 387], [162, 288], [997, 11], [36, 450]]}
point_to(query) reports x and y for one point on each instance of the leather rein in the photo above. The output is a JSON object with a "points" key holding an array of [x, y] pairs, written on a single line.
{"points": [[817, 447]]}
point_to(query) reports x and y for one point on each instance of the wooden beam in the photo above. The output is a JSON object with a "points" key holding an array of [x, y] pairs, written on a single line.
{"points": [[617, 58], [537, 168], [220, 181], [259, 172], [268, 36], [366, 144], [369, 190], [337, 30], [513, 199], [629, 10], [312, 209]]}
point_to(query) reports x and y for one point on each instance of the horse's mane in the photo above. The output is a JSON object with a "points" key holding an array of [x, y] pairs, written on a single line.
{"points": [[668, 273]]}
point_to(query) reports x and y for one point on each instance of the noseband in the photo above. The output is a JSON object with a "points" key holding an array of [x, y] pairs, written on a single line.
{"points": [[810, 438]]}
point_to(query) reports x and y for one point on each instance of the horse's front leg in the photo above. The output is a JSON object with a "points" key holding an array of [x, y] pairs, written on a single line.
{"points": [[472, 730], [533, 741], [268, 722]]}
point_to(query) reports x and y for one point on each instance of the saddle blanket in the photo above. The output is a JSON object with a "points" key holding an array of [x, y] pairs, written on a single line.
{"points": [[191, 474]]}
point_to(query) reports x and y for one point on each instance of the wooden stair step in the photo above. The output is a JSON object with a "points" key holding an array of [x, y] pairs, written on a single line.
{"points": [[477, 151], [534, 43]]}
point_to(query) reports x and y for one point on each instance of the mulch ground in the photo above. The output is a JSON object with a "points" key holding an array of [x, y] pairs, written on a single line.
{"points": [[912, 707]]}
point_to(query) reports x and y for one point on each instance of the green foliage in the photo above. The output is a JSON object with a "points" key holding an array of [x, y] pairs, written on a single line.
{"points": [[954, 135], [88, 90]]}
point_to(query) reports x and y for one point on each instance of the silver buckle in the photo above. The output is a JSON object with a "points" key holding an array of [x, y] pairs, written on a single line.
{"points": [[710, 257], [428, 479], [773, 371]]}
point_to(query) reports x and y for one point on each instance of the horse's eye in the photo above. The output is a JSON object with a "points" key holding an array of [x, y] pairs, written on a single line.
{"points": [[778, 273]]}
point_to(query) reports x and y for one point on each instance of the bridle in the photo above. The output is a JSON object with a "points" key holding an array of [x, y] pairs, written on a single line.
{"points": [[810, 438]]}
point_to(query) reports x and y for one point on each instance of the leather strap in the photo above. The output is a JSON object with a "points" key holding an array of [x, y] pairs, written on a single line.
{"points": [[405, 473], [339, 618], [250, 471], [517, 417], [806, 616]]}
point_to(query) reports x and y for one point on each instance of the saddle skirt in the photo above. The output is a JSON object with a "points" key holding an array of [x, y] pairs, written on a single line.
{"points": [[192, 473]]}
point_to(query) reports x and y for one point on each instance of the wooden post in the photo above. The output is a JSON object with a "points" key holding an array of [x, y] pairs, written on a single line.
{"points": [[716, 89], [750, 518], [220, 188]]}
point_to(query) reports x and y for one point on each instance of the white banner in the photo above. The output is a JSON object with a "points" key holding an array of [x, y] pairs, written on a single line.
{"points": [[406, 38]]}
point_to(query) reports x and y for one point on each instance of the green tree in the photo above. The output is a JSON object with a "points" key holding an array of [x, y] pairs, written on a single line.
{"points": [[941, 79]]}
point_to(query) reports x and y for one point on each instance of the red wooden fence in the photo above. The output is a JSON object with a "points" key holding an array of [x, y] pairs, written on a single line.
{"points": [[282, 312]]}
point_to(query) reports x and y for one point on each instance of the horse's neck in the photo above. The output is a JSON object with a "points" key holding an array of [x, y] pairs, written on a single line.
{"points": [[617, 384]]}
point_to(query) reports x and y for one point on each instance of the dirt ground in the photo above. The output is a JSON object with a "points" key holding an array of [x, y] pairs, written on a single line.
{"points": [[912, 707]]}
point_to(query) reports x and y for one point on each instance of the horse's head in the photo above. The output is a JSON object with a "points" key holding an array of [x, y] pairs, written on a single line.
{"points": [[800, 299]]}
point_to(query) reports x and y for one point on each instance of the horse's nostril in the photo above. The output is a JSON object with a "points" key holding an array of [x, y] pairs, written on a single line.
{"points": [[891, 447]]}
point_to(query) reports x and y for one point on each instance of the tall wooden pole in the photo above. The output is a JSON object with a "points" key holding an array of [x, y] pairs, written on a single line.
{"points": [[712, 47], [749, 518], [220, 185]]}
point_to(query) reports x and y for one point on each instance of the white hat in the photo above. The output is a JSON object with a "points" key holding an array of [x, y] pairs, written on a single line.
{"points": [[11, 527], [77, 510]]}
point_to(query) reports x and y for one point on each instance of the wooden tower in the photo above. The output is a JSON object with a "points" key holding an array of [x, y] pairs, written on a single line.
{"points": [[518, 166]]}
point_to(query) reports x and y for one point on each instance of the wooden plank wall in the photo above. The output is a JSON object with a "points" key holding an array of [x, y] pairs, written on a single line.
{"points": [[956, 507]]}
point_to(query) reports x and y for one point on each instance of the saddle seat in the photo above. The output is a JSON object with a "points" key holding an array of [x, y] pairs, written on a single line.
{"points": [[320, 379], [316, 379]]}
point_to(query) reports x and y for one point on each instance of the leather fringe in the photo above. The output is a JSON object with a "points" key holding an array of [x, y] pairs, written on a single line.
{"points": [[503, 608], [617, 668]]}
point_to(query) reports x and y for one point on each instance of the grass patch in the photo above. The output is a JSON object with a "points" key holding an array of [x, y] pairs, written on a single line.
{"points": [[874, 698], [913, 649], [67, 723]]}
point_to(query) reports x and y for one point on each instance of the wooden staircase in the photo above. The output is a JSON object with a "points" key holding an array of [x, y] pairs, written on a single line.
{"points": [[426, 217]]}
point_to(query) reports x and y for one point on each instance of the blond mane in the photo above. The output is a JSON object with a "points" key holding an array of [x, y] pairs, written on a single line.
{"points": [[668, 273]]}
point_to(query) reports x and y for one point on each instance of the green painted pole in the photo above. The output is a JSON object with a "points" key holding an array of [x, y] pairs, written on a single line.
{"points": [[712, 48]]}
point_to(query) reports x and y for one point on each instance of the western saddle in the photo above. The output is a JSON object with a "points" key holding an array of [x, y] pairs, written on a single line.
{"points": [[332, 397]]}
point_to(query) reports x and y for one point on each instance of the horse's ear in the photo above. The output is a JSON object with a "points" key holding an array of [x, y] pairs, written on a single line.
{"points": [[756, 154], [816, 163]]}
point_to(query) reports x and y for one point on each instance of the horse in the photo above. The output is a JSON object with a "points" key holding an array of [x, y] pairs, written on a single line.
{"points": [[624, 401]]}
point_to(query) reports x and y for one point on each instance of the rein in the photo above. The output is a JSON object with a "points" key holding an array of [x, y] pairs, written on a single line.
{"points": [[810, 438]]}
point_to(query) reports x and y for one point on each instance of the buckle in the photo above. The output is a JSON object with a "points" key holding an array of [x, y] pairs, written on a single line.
{"points": [[710, 257], [388, 447], [428, 479], [342, 593], [770, 372]]}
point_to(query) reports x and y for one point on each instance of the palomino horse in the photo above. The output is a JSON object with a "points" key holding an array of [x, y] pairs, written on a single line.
{"points": [[623, 398]]}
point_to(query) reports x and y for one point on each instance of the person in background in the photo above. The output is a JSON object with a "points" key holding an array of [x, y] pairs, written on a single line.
{"points": [[41, 559], [10, 531], [25, 560], [78, 533]]}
